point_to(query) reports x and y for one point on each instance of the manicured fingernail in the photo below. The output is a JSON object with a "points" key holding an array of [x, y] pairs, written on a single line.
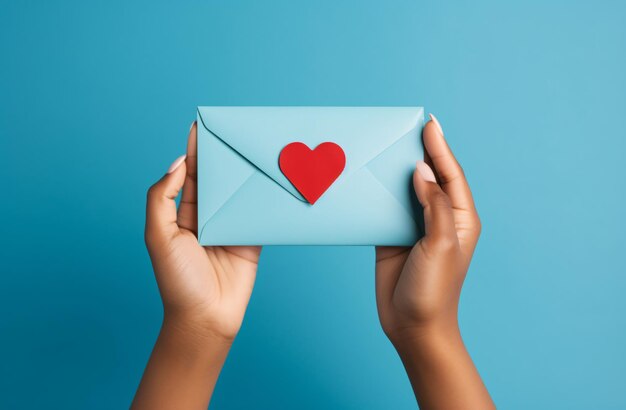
{"points": [[434, 119], [191, 126], [425, 171], [176, 164]]}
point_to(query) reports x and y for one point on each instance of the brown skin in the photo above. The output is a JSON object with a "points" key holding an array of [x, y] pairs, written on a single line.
{"points": [[205, 292], [418, 289]]}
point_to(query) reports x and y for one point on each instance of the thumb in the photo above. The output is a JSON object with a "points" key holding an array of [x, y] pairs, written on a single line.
{"points": [[438, 216], [161, 205]]}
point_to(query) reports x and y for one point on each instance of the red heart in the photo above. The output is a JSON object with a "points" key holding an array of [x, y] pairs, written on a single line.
{"points": [[312, 172]]}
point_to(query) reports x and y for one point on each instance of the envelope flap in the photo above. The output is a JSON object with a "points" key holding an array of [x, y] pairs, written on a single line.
{"points": [[260, 133]]}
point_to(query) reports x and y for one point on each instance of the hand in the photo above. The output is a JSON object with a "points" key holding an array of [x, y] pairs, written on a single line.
{"points": [[207, 288], [418, 289], [205, 292]]}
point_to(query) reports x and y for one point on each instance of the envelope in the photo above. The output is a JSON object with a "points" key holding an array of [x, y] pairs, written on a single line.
{"points": [[245, 198]]}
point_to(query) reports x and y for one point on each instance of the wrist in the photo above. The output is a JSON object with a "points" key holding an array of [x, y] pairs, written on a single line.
{"points": [[424, 335], [194, 332]]}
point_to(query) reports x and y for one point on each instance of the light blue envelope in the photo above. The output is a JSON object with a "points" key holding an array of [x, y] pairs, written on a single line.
{"points": [[244, 198]]}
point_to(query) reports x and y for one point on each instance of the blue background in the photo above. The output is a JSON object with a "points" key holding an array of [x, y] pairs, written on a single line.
{"points": [[95, 101]]}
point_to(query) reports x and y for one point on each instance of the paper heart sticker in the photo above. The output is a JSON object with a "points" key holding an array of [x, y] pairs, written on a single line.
{"points": [[312, 172]]}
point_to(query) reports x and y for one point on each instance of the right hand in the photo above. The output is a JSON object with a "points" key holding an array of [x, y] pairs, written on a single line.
{"points": [[419, 288]]}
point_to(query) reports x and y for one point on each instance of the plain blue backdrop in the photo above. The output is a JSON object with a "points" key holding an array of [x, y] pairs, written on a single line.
{"points": [[95, 101]]}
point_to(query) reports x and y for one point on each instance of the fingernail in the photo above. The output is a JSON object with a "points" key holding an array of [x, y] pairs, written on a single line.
{"points": [[176, 164], [434, 119], [425, 171], [191, 126]]}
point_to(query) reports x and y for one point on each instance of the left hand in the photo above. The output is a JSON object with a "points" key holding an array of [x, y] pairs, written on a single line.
{"points": [[204, 288], [205, 292]]}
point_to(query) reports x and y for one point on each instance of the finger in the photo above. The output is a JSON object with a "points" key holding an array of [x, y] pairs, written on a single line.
{"points": [[161, 207], [187, 209], [447, 168], [438, 216]]}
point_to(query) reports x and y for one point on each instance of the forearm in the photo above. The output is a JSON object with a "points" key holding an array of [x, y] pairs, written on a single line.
{"points": [[441, 370], [182, 370]]}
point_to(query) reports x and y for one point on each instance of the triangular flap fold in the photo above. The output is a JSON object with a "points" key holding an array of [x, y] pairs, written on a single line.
{"points": [[260, 133]]}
